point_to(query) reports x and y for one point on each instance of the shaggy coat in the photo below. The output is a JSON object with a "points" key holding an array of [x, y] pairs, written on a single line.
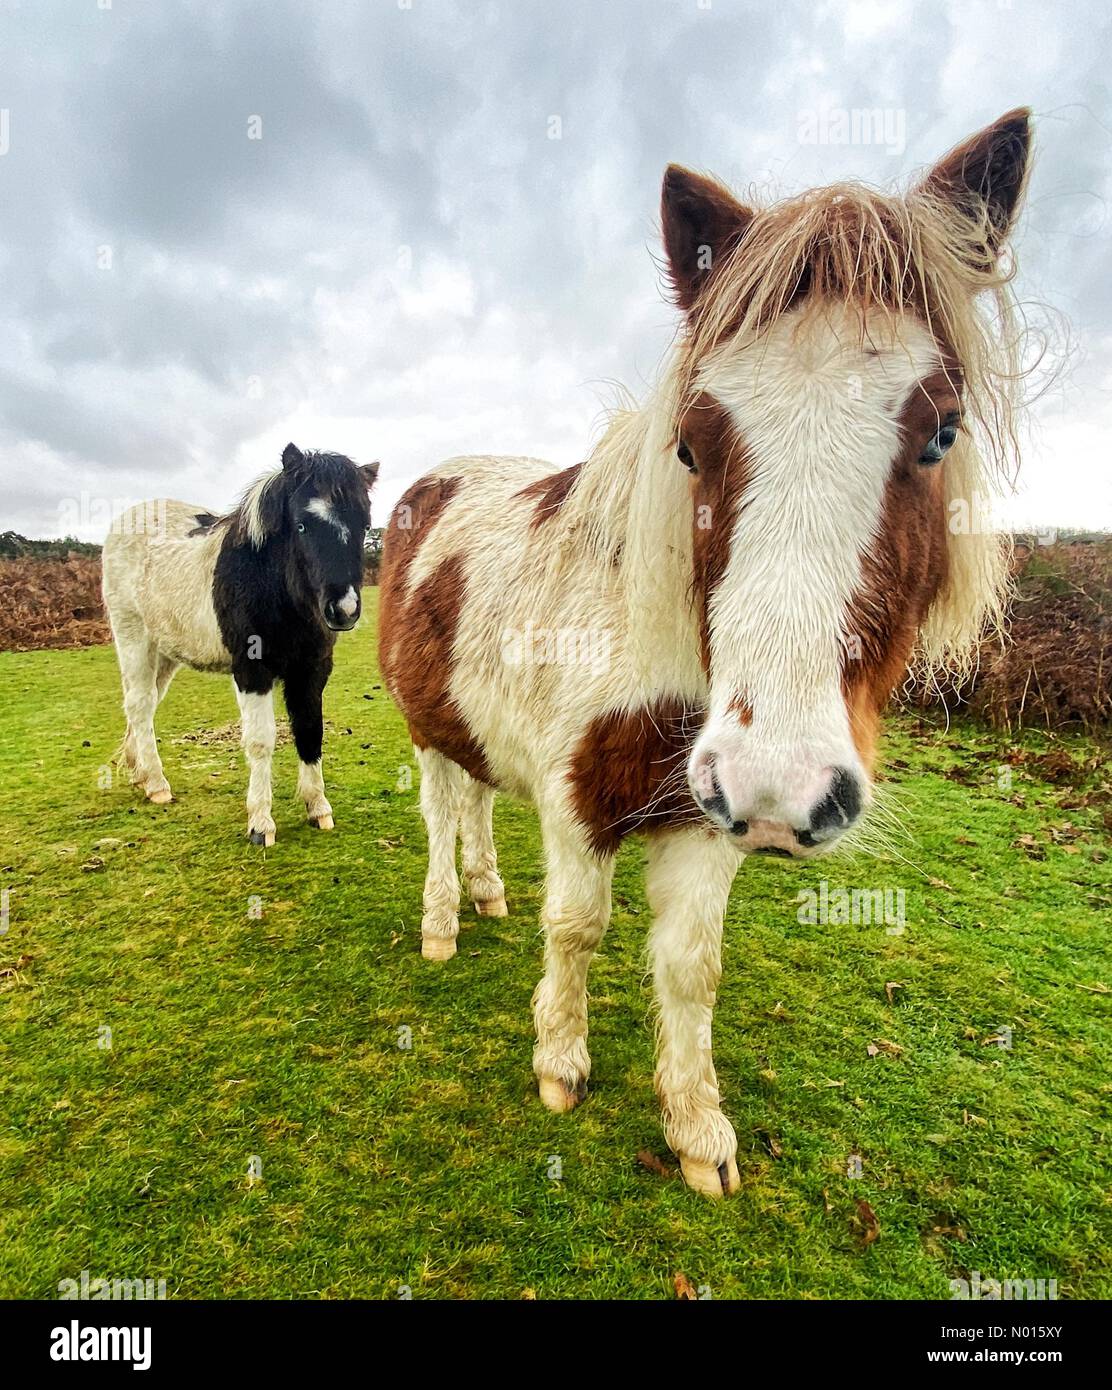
{"points": [[260, 594], [692, 633]]}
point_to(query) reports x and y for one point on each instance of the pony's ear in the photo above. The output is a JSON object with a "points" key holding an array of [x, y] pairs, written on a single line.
{"points": [[702, 223], [370, 473], [291, 457], [984, 177]]}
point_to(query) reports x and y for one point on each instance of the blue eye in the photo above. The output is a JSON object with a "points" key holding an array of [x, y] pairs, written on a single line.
{"points": [[301, 526], [942, 441]]}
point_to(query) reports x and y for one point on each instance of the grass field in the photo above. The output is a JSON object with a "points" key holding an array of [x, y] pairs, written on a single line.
{"points": [[260, 1003]]}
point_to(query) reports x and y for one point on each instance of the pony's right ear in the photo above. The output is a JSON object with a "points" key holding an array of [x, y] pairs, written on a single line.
{"points": [[291, 457], [370, 473], [702, 222]]}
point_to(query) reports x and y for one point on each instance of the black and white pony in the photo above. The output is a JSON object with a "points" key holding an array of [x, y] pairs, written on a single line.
{"points": [[260, 593]]}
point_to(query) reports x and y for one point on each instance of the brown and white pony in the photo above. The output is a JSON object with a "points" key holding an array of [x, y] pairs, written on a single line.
{"points": [[692, 634]]}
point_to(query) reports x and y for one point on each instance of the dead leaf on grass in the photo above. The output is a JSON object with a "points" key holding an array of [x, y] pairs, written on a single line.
{"points": [[647, 1159], [770, 1142], [868, 1222], [685, 1289]]}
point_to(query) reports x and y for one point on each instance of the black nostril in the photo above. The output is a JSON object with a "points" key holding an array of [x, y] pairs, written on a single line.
{"points": [[846, 791], [838, 809], [715, 804], [739, 827]]}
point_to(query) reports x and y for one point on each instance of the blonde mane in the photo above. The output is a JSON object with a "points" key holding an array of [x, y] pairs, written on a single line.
{"points": [[857, 246], [258, 513]]}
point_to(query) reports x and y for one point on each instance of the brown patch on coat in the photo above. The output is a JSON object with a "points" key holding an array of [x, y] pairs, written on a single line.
{"points": [[904, 570], [417, 631], [722, 465], [628, 772], [415, 512], [418, 666], [410, 524], [740, 706], [864, 722], [550, 492]]}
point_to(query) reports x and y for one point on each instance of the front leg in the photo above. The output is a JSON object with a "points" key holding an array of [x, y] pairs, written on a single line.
{"points": [[303, 703], [256, 710], [576, 913], [688, 881]]}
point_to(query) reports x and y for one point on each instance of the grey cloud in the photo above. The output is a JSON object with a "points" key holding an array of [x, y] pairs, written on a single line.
{"points": [[383, 128]]}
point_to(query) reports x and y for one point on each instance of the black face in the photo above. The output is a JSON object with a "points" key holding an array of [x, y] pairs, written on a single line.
{"points": [[328, 533]]}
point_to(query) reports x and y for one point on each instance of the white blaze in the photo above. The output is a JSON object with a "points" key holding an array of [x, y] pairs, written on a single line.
{"points": [[319, 507], [816, 405]]}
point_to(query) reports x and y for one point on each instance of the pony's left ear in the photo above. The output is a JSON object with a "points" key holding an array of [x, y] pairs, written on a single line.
{"points": [[702, 222], [291, 457], [370, 473], [985, 177]]}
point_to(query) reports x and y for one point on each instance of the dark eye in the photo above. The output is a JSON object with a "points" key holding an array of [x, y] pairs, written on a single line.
{"points": [[685, 456], [301, 526], [942, 441]]}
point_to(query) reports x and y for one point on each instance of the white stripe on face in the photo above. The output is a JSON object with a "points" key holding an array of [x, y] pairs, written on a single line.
{"points": [[816, 405], [319, 507], [349, 603]]}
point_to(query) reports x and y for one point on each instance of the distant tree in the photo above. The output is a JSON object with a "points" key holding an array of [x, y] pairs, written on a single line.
{"points": [[372, 554], [13, 546]]}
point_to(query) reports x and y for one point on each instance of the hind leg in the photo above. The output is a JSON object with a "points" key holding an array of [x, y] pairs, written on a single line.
{"points": [[164, 675], [441, 794], [480, 862], [165, 669], [139, 672]]}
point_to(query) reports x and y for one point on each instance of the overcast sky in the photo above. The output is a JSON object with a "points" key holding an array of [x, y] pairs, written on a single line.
{"points": [[443, 241]]}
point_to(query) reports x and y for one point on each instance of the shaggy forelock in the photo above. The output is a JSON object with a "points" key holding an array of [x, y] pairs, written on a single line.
{"points": [[871, 251], [334, 478]]}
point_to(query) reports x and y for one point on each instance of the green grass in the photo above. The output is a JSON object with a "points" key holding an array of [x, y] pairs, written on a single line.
{"points": [[278, 1036]]}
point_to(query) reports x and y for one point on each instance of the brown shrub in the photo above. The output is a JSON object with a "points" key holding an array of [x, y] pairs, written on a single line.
{"points": [[1055, 669], [51, 603]]}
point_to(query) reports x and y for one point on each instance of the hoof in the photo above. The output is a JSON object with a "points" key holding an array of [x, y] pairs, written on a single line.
{"points": [[322, 822], [495, 907], [162, 798], [261, 837], [438, 947], [560, 1098], [709, 1180]]}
